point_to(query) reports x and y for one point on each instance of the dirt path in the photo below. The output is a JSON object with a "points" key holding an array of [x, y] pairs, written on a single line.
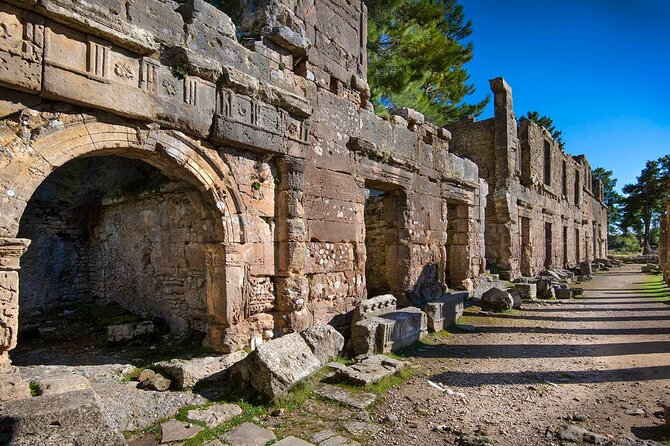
{"points": [[523, 374]]}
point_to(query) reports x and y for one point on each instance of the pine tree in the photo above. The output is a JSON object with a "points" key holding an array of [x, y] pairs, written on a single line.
{"points": [[612, 198], [416, 58]]}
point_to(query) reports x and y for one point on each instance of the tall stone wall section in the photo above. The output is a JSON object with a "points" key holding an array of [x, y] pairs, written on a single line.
{"points": [[275, 135], [544, 209], [664, 245]]}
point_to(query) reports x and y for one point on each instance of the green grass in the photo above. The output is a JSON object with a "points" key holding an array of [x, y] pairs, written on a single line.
{"points": [[34, 388], [133, 375], [655, 287]]}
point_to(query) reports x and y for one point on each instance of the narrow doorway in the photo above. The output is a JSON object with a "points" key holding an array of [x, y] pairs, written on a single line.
{"points": [[547, 245]]}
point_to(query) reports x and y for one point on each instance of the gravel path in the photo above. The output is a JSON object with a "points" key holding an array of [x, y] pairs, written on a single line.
{"points": [[602, 360]]}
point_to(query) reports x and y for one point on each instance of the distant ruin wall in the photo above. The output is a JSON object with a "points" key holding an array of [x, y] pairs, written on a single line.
{"points": [[544, 208]]}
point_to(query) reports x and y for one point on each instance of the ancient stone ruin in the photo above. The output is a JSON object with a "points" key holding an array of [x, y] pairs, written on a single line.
{"points": [[228, 175]]}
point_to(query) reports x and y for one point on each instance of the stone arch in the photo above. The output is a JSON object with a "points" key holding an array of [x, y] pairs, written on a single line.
{"points": [[41, 142]]}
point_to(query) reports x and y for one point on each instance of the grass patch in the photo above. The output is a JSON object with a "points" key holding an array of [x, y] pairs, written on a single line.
{"points": [[655, 287], [433, 339], [392, 381], [133, 375], [250, 413], [34, 388]]}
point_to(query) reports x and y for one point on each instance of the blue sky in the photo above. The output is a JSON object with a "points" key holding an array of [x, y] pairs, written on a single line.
{"points": [[599, 68]]}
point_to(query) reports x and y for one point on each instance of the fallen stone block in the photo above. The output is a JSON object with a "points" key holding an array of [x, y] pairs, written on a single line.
{"points": [[388, 332], [444, 312], [563, 293], [215, 415], [175, 430], [326, 342], [65, 419], [375, 306], [54, 385], [370, 370], [497, 300], [359, 400], [150, 380], [188, 372], [276, 366], [527, 291], [292, 441], [249, 434], [585, 269], [126, 332]]}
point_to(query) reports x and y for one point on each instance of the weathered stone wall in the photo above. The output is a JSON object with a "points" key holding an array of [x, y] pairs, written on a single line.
{"points": [[536, 218], [276, 134], [147, 255], [664, 245]]}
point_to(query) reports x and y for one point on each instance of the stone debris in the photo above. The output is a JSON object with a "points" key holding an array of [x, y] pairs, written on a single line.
{"points": [[276, 366], [329, 438], [129, 408], [292, 441], [359, 400], [445, 311], [53, 385], [475, 440], [497, 300], [64, 419], [150, 380], [126, 332], [215, 415], [326, 342], [188, 372], [249, 434], [579, 435], [361, 428], [386, 332], [175, 430], [369, 370]]}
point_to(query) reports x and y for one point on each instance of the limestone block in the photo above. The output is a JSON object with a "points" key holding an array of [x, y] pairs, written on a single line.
{"points": [[276, 366], [586, 269], [497, 300], [563, 293], [21, 49], [67, 419], [54, 385], [375, 306], [388, 332], [370, 370], [326, 342], [188, 372], [412, 116], [526, 290], [12, 385], [150, 380], [444, 312], [215, 415], [249, 434]]}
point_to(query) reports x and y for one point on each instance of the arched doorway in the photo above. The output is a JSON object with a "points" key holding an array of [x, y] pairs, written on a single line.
{"points": [[32, 157], [115, 245]]}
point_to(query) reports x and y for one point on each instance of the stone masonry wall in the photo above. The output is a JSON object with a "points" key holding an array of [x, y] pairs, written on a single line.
{"points": [[664, 245], [536, 218], [275, 132]]}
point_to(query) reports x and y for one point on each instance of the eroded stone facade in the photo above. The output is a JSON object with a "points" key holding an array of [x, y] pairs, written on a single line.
{"points": [[544, 209], [270, 153], [664, 245]]}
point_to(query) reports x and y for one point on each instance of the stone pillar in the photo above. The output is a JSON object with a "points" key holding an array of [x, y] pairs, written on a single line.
{"points": [[11, 250], [291, 284]]}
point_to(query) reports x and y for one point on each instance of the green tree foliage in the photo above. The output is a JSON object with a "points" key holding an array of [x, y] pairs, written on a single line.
{"points": [[646, 199], [612, 198], [547, 123], [416, 58]]}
